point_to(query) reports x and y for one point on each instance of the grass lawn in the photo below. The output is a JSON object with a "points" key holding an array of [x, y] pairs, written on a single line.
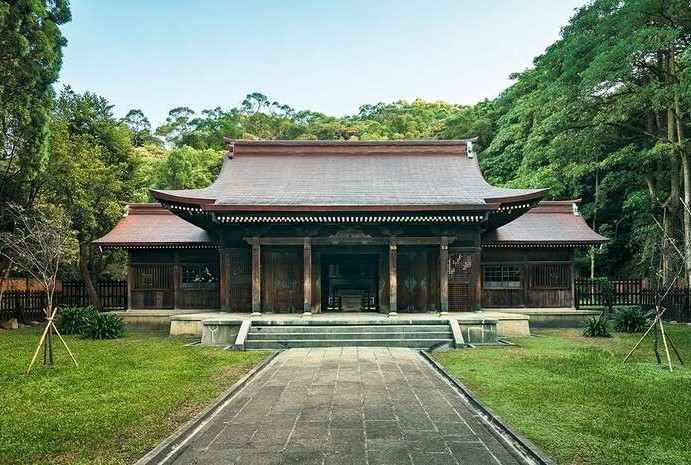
{"points": [[126, 396], [573, 397]]}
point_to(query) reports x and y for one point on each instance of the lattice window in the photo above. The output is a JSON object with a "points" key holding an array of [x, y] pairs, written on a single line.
{"points": [[551, 276], [152, 277], [460, 266], [501, 276], [199, 277]]}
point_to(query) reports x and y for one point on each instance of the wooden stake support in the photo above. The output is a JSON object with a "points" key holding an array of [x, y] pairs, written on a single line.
{"points": [[657, 322], [46, 344]]}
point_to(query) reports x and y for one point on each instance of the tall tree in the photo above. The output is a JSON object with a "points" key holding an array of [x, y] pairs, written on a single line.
{"points": [[92, 167], [140, 126], [602, 115], [30, 58]]}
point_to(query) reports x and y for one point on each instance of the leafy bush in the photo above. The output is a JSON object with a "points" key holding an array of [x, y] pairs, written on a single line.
{"points": [[74, 320], [597, 327], [88, 322], [104, 326], [631, 319]]}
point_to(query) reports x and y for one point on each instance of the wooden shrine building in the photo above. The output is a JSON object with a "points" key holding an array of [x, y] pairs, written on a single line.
{"points": [[322, 226]]}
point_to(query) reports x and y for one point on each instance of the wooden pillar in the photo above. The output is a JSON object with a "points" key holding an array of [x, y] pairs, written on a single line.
{"points": [[572, 281], [224, 274], [393, 282], [177, 280], [383, 285], [444, 278], [307, 269], [130, 277], [256, 278]]}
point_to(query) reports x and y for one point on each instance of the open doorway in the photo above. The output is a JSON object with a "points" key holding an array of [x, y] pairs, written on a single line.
{"points": [[350, 282]]}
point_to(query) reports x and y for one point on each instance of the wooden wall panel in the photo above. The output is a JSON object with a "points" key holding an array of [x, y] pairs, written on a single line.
{"points": [[152, 286], [282, 279]]}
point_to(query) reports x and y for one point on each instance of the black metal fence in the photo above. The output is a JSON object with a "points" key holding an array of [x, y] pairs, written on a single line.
{"points": [[602, 293], [30, 305]]}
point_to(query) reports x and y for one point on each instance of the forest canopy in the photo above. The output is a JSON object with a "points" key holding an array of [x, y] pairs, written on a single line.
{"points": [[602, 115]]}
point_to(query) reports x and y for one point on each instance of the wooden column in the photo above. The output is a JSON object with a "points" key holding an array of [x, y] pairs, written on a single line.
{"points": [[444, 278], [130, 277], [307, 270], [393, 283], [256, 278], [177, 280], [223, 278]]}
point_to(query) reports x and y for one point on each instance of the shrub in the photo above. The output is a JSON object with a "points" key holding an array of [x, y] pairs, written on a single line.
{"points": [[88, 322], [597, 327], [74, 320], [104, 326], [631, 319]]}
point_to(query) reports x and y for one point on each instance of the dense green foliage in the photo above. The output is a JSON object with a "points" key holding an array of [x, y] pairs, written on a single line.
{"points": [[89, 322], [127, 395], [602, 115], [597, 327], [579, 403], [74, 320], [631, 319], [30, 58], [104, 326]]}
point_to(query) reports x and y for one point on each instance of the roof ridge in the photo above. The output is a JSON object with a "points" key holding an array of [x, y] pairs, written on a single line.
{"points": [[346, 143]]}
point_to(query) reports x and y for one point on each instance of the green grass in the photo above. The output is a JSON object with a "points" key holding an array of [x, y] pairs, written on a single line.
{"points": [[573, 397], [126, 396]]}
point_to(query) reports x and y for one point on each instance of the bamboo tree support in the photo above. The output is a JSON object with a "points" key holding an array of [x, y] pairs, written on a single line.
{"points": [[44, 342], [674, 347], [664, 343], [657, 322], [643, 337]]}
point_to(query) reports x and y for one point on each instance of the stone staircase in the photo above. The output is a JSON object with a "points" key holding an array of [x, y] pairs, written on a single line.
{"points": [[425, 335]]}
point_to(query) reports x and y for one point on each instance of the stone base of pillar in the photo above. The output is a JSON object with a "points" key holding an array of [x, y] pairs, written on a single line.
{"points": [[255, 314], [393, 313], [307, 314]]}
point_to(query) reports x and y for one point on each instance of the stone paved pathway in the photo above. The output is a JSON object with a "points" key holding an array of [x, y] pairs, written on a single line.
{"points": [[347, 406]]}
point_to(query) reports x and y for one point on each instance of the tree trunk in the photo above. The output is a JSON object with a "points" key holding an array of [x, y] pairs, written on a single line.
{"points": [[84, 262], [687, 216], [685, 169]]}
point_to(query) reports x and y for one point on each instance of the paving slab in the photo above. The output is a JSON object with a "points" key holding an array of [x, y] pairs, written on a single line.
{"points": [[352, 405]]}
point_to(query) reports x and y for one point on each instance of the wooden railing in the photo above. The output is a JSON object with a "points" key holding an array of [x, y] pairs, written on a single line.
{"points": [[603, 293], [30, 305]]}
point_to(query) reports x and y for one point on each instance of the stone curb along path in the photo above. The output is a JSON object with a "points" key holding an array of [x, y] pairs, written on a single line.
{"points": [[503, 430], [347, 405], [173, 445]]}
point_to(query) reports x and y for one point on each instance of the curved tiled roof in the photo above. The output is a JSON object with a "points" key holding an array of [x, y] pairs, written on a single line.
{"points": [[550, 223], [343, 175], [151, 225]]}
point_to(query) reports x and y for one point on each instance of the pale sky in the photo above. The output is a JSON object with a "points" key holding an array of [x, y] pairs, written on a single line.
{"points": [[330, 56]]}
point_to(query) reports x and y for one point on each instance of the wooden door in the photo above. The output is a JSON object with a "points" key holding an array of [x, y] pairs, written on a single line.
{"points": [[282, 280], [238, 263], [417, 279]]}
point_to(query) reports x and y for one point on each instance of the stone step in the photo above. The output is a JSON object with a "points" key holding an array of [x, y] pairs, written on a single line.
{"points": [[312, 328], [347, 335], [263, 344]]}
